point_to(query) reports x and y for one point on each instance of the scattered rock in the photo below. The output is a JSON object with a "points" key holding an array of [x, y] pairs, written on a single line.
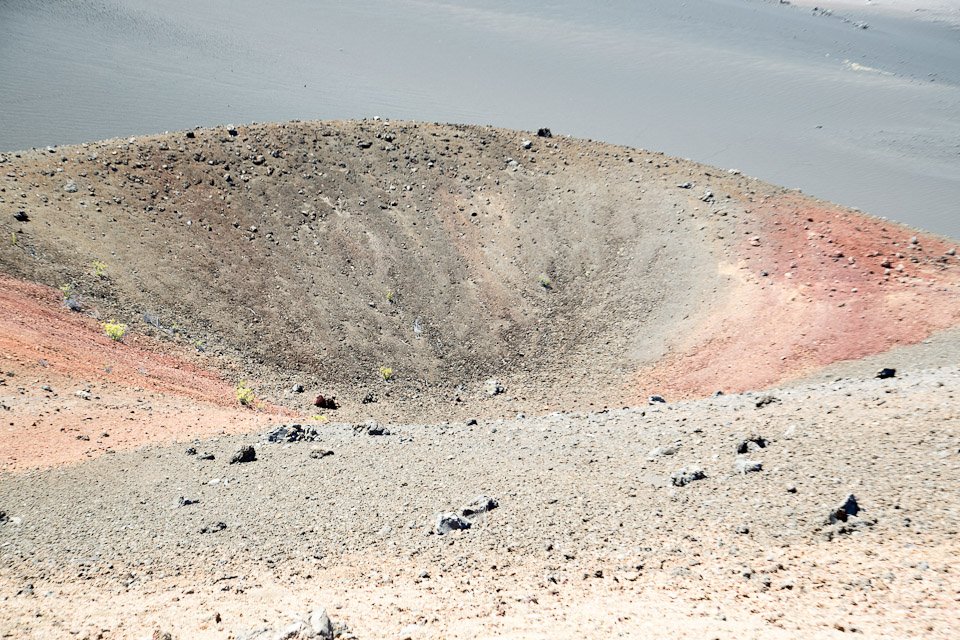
{"points": [[213, 527], [666, 450], [246, 453], [186, 502], [205, 456], [544, 132], [657, 400], [297, 388], [480, 504], [369, 398], [753, 442], [687, 475], [294, 433], [744, 466], [766, 399], [73, 303], [328, 402], [472, 422], [492, 387], [315, 625], [447, 522], [526, 144], [844, 510], [371, 428], [320, 453], [192, 451], [886, 373], [71, 186], [685, 185]]}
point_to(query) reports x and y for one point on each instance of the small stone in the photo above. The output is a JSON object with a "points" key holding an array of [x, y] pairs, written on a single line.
{"points": [[71, 186], [886, 373], [544, 132], [297, 388], [192, 451], [424, 575], [951, 252], [687, 475], [471, 422], [492, 387], [753, 442], [369, 398], [844, 510], [655, 399], [246, 454], [320, 453], [744, 466], [326, 402], [371, 428], [213, 527], [526, 144], [666, 450], [767, 399], [205, 456], [480, 504], [447, 522], [743, 529]]}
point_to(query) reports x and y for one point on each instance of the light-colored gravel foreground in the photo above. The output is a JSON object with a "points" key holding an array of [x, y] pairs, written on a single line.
{"points": [[591, 537]]}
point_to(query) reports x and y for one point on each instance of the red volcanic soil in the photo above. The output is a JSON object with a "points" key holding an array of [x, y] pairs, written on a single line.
{"points": [[814, 284], [130, 393]]}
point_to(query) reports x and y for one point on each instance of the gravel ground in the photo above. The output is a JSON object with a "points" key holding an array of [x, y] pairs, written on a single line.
{"points": [[581, 497]]}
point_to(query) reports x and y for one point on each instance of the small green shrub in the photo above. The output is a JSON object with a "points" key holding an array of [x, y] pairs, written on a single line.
{"points": [[14, 234], [244, 393], [67, 290], [99, 267], [114, 330], [386, 372], [544, 281]]}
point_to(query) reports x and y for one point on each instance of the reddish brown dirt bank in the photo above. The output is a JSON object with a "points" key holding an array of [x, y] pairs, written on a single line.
{"points": [[131, 393], [813, 284]]}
